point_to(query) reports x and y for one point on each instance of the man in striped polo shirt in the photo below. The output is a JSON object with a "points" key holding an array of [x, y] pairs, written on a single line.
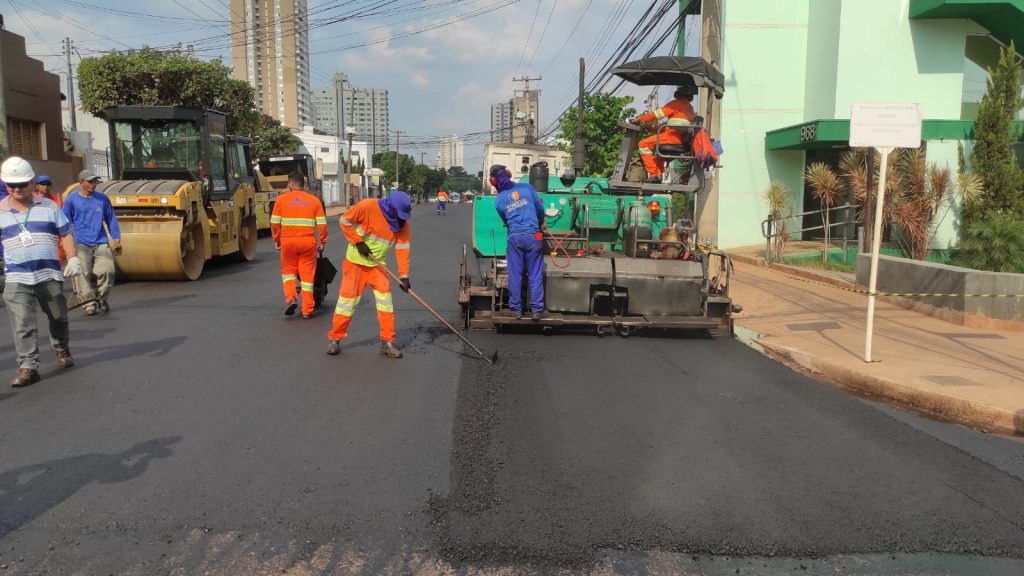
{"points": [[30, 228]]}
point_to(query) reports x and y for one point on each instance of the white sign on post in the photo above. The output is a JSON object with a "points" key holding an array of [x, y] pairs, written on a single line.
{"points": [[885, 125], [882, 125]]}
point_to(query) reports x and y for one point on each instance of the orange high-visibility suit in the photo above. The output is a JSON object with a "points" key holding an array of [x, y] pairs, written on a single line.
{"points": [[365, 222], [297, 220], [679, 112]]}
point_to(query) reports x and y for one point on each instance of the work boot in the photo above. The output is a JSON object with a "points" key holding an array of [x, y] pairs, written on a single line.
{"points": [[390, 350], [538, 314], [24, 377], [104, 307], [64, 359], [292, 305], [334, 347], [652, 180], [519, 314], [91, 309]]}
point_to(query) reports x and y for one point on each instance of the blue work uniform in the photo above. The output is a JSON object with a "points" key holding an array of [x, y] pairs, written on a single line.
{"points": [[522, 211]]}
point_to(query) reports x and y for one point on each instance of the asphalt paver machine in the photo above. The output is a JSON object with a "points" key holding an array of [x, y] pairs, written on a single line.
{"points": [[617, 258], [182, 190]]}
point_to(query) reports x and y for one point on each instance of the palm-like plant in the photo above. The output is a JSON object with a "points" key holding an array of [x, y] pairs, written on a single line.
{"points": [[828, 189], [776, 196]]}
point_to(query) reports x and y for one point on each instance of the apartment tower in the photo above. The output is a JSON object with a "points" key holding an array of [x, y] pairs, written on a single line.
{"points": [[270, 50]]}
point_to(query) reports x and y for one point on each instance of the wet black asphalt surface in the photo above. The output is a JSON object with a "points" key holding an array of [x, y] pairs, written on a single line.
{"points": [[202, 432]]}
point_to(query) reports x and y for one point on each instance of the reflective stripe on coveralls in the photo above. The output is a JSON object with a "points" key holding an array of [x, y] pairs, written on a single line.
{"points": [[679, 112], [354, 279]]}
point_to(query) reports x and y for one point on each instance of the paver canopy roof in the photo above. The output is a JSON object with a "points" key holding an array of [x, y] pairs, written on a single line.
{"points": [[672, 70]]}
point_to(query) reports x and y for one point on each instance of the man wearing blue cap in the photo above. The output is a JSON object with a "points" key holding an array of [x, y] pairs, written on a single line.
{"points": [[373, 227]]}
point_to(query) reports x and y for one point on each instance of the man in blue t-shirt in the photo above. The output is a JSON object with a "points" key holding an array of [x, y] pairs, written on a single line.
{"points": [[92, 216], [522, 211]]}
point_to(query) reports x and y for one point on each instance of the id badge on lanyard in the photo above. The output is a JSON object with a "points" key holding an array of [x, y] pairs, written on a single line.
{"points": [[25, 236]]}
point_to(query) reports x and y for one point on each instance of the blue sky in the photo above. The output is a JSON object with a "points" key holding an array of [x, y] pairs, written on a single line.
{"points": [[441, 81]]}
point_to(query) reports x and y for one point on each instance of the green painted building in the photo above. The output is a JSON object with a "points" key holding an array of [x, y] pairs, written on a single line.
{"points": [[794, 69]]}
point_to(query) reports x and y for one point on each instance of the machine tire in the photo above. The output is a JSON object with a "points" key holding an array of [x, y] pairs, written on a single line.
{"points": [[248, 235]]}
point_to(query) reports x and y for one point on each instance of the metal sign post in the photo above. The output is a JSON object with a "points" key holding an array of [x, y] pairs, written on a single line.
{"points": [[885, 126]]}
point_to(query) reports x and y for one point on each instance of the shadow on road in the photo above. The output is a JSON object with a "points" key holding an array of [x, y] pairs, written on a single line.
{"points": [[29, 491], [148, 348]]}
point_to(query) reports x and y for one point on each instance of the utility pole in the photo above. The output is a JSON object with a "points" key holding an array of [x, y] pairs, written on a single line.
{"points": [[71, 85], [398, 157], [422, 154], [5, 149]]}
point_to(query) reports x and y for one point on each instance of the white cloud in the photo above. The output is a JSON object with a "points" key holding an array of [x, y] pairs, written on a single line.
{"points": [[419, 79], [383, 54]]}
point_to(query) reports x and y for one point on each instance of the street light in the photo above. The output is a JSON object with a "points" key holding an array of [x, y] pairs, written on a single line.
{"points": [[350, 132]]}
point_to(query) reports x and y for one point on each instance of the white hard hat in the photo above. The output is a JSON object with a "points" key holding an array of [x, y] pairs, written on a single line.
{"points": [[16, 170]]}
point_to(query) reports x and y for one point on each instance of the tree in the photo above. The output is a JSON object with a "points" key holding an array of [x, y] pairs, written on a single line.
{"points": [[828, 189], [269, 138], [603, 135], [386, 162], [993, 156], [150, 77]]}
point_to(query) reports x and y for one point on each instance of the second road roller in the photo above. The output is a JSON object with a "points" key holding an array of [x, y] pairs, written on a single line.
{"points": [[182, 189]]}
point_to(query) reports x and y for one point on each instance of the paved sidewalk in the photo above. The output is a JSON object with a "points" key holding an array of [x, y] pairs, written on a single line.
{"points": [[970, 375]]}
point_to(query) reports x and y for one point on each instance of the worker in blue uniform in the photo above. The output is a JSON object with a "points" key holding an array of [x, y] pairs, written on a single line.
{"points": [[521, 209]]}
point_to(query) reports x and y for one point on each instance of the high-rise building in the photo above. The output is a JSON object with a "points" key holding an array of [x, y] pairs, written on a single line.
{"points": [[525, 116], [364, 109], [270, 50], [501, 122], [450, 153]]}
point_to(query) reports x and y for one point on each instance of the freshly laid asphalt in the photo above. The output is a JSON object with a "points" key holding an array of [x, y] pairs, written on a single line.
{"points": [[202, 432]]}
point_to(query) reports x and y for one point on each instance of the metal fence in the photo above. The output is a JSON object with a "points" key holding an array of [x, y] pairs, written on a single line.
{"points": [[842, 217]]}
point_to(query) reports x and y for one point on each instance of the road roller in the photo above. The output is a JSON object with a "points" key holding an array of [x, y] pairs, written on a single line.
{"points": [[617, 259], [182, 189]]}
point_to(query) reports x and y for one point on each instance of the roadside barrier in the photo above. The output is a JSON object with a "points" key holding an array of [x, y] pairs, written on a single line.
{"points": [[903, 294]]}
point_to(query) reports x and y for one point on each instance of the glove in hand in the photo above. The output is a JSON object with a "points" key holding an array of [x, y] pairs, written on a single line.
{"points": [[404, 284], [363, 249], [74, 267]]}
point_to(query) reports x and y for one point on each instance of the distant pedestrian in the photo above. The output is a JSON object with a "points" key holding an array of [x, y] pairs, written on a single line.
{"points": [[442, 201], [30, 228], [98, 238], [299, 228]]}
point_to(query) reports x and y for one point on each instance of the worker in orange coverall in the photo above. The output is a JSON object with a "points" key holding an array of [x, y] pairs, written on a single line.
{"points": [[372, 227], [299, 227], [678, 112]]}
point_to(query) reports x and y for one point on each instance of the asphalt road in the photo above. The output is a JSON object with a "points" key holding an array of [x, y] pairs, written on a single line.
{"points": [[202, 432]]}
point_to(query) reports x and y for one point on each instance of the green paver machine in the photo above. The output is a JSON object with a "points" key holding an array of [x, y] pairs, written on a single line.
{"points": [[617, 258]]}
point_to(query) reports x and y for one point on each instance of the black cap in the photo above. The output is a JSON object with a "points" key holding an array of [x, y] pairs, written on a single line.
{"points": [[497, 168]]}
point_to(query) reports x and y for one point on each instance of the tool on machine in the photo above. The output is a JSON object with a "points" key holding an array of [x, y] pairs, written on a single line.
{"points": [[490, 360]]}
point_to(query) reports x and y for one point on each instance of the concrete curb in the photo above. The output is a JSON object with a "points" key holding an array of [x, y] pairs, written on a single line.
{"points": [[963, 411], [806, 274]]}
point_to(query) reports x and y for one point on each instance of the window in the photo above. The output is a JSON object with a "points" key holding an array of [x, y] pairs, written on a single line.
{"points": [[325, 149], [25, 137]]}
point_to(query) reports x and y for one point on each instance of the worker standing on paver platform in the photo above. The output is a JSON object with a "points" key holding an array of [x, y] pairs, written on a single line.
{"points": [[521, 209], [372, 227], [299, 228]]}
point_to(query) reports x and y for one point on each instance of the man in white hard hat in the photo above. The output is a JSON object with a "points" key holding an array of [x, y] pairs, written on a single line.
{"points": [[30, 228]]}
